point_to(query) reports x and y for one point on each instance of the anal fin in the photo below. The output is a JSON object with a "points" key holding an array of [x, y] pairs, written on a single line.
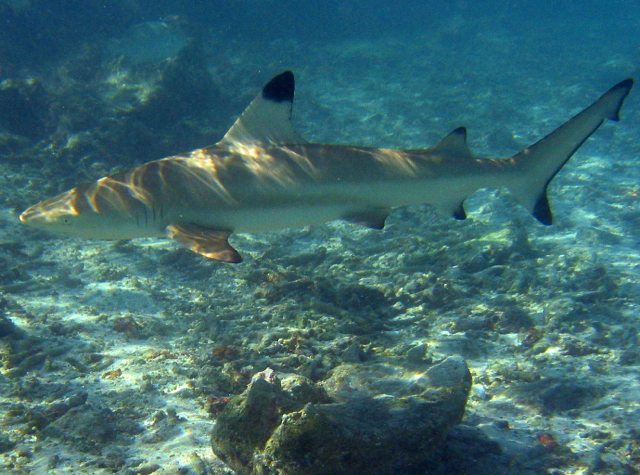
{"points": [[373, 218], [453, 209], [459, 213], [207, 242]]}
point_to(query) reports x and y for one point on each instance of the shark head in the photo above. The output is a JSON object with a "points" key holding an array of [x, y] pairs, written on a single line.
{"points": [[82, 212], [59, 213]]}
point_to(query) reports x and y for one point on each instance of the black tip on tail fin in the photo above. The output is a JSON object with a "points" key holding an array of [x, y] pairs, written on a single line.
{"points": [[540, 162], [626, 84], [267, 119], [281, 88], [624, 87], [542, 210]]}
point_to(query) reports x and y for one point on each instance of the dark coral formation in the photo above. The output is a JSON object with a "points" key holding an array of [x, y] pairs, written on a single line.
{"points": [[297, 429]]}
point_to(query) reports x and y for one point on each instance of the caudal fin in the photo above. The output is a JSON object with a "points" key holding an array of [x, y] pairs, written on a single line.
{"points": [[540, 162]]}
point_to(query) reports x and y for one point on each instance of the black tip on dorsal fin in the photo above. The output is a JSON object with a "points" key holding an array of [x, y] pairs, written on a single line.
{"points": [[454, 145], [460, 131], [281, 88], [267, 120]]}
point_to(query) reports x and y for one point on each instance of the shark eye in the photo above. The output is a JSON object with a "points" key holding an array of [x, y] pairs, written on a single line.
{"points": [[66, 220]]}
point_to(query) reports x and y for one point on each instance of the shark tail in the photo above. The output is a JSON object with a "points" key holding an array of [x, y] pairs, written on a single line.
{"points": [[540, 162]]}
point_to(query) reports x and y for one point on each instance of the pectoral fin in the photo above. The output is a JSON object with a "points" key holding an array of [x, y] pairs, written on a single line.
{"points": [[209, 243]]}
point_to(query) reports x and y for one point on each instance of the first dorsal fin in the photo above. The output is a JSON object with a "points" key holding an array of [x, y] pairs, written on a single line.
{"points": [[267, 120], [454, 144]]}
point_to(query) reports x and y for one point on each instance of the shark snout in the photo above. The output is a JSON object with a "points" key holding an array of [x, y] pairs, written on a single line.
{"points": [[35, 216], [26, 215]]}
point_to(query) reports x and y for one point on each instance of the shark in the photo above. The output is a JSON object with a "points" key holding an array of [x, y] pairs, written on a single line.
{"points": [[264, 176]]}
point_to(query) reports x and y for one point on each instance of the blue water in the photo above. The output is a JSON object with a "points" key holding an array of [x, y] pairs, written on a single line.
{"points": [[540, 323]]}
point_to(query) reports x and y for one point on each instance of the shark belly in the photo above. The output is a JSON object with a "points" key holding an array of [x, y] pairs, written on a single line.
{"points": [[262, 219], [322, 202]]}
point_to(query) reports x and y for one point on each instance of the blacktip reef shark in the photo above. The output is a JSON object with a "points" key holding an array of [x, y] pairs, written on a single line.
{"points": [[263, 176]]}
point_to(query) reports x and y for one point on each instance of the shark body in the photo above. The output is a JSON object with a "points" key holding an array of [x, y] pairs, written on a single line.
{"points": [[263, 176]]}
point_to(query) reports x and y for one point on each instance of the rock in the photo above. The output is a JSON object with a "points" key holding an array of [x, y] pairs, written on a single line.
{"points": [[6, 443], [451, 373], [304, 391], [8, 328], [268, 431], [497, 248], [417, 353], [353, 354], [566, 395], [87, 427], [246, 423], [469, 450]]}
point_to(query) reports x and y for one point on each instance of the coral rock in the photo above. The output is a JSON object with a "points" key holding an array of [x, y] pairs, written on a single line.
{"points": [[268, 431]]}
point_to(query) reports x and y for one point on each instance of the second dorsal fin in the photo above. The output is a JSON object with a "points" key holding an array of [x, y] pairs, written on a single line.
{"points": [[267, 120], [454, 145]]}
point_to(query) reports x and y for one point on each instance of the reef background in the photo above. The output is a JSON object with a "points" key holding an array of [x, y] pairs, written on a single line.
{"points": [[117, 356]]}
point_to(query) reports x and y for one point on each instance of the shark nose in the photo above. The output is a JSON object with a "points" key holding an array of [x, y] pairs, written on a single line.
{"points": [[27, 215]]}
